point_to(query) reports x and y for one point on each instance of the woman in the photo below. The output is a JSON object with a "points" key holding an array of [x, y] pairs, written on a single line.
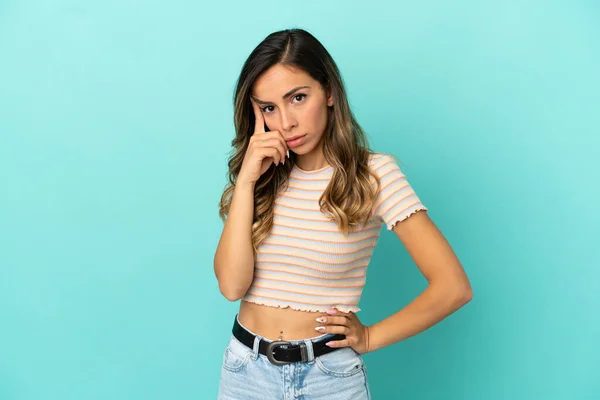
{"points": [[303, 210]]}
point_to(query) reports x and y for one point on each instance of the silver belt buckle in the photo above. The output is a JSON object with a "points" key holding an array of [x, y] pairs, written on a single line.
{"points": [[271, 347]]}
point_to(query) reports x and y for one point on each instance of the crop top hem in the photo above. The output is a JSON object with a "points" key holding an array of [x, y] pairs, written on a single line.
{"points": [[344, 309]]}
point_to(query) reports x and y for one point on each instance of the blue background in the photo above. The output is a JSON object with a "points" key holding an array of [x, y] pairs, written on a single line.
{"points": [[115, 124]]}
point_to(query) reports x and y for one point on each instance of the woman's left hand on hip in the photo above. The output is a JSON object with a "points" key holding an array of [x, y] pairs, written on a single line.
{"points": [[357, 334]]}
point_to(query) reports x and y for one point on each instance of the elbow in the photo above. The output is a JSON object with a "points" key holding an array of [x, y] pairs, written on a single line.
{"points": [[232, 290], [454, 295], [231, 294], [466, 296], [232, 285], [463, 295]]}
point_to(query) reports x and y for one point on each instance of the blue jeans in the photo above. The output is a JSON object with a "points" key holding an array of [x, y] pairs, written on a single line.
{"points": [[248, 375]]}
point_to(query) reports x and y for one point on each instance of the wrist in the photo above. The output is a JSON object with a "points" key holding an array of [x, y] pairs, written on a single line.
{"points": [[368, 339], [245, 185]]}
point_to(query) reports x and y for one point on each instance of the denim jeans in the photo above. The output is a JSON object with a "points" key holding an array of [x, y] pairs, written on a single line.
{"points": [[249, 375]]}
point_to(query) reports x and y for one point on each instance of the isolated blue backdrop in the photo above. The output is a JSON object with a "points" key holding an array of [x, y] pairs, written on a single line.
{"points": [[115, 124]]}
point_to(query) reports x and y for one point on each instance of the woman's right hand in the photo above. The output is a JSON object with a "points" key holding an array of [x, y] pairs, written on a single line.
{"points": [[264, 148]]}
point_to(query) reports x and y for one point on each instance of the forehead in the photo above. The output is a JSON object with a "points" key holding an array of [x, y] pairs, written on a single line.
{"points": [[279, 79]]}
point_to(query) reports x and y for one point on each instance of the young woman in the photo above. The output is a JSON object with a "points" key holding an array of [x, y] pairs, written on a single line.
{"points": [[303, 210]]}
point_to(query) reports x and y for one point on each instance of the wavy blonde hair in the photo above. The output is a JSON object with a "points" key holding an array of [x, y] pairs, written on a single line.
{"points": [[350, 196]]}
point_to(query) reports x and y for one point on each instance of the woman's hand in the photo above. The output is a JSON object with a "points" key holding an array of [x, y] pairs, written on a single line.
{"points": [[264, 149], [357, 334]]}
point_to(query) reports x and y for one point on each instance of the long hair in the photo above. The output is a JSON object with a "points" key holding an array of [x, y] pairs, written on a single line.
{"points": [[350, 196]]}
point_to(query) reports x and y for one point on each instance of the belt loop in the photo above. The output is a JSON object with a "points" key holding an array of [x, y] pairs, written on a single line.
{"points": [[310, 351], [255, 346]]}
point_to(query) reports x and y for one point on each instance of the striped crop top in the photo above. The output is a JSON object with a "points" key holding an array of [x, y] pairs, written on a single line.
{"points": [[306, 263]]}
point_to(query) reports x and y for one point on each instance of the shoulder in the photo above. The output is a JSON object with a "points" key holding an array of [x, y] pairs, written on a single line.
{"points": [[380, 162], [375, 158]]}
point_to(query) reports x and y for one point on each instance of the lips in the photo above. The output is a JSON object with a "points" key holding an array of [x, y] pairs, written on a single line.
{"points": [[294, 138], [296, 141]]}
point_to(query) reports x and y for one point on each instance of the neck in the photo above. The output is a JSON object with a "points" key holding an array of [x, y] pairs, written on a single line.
{"points": [[311, 161]]}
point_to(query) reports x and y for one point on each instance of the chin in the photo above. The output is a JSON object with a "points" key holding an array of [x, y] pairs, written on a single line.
{"points": [[306, 147], [301, 150]]}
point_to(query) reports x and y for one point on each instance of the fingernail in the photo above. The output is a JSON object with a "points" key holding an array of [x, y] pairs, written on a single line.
{"points": [[320, 328], [331, 311], [328, 344], [320, 319], [288, 153]]}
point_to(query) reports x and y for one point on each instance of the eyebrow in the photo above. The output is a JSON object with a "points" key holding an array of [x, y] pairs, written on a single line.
{"points": [[291, 92]]}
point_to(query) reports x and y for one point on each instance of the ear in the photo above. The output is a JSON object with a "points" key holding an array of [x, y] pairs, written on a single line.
{"points": [[329, 98]]}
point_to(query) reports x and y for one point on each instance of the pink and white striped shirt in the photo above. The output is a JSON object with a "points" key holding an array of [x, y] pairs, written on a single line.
{"points": [[306, 263]]}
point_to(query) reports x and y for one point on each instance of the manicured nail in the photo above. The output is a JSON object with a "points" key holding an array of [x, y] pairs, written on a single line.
{"points": [[328, 344], [320, 328], [321, 319], [288, 153], [331, 311]]}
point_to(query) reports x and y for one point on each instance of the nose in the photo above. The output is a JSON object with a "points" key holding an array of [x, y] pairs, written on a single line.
{"points": [[288, 121]]}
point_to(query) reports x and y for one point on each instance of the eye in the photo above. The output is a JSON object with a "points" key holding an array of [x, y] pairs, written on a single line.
{"points": [[301, 95]]}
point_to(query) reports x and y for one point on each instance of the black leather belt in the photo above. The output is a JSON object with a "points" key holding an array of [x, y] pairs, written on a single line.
{"points": [[281, 352]]}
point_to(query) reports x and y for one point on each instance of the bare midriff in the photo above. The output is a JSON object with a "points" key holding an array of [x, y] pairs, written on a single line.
{"points": [[273, 322]]}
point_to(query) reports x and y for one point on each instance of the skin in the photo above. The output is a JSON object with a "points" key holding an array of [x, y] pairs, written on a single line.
{"points": [[304, 112], [448, 288]]}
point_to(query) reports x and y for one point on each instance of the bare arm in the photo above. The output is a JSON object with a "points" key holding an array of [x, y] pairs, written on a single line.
{"points": [[449, 288], [234, 258]]}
